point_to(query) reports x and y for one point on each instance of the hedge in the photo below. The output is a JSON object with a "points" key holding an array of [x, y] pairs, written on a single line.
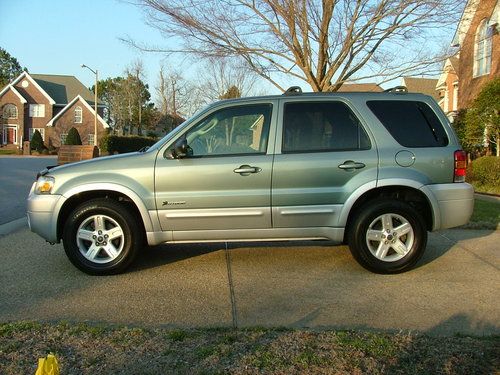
{"points": [[114, 144], [485, 171]]}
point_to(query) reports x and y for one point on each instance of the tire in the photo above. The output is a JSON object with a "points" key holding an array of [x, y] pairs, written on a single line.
{"points": [[387, 236], [101, 237]]}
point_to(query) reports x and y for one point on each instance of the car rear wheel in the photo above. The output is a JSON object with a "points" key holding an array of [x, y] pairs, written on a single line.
{"points": [[387, 236], [98, 237]]}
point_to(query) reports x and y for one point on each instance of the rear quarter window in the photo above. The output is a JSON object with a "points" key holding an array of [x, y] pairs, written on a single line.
{"points": [[411, 123]]}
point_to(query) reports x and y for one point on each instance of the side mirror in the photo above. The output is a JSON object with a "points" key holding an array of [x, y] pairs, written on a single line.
{"points": [[180, 150]]}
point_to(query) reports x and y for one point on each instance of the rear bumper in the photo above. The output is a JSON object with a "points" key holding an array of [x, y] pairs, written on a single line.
{"points": [[42, 214], [452, 204]]}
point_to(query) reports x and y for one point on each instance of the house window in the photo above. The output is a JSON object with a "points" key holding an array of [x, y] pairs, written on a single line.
{"points": [[63, 138], [41, 130], [37, 110], [9, 111], [78, 115], [482, 49], [90, 139]]}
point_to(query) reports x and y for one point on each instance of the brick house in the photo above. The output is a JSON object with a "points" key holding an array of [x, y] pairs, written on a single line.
{"points": [[421, 85], [447, 88], [478, 37], [51, 104]]}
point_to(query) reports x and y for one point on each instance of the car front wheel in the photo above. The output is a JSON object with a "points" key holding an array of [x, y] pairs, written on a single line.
{"points": [[101, 237], [387, 236]]}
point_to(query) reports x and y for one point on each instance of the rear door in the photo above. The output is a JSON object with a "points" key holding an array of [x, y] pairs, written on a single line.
{"points": [[324, 153]]}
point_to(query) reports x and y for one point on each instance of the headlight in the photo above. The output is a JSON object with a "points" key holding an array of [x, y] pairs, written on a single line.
{"points": [[44, 185]]}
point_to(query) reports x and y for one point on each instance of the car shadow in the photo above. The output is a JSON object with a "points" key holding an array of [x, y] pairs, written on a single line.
{"points": [[440, 242]]}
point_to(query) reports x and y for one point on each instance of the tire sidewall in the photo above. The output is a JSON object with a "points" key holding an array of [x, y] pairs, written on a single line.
{"points": [[117, 213], [359, 247]]}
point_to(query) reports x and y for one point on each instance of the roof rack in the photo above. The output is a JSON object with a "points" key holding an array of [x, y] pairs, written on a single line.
{"points": [[397, 89], [293, 90]]}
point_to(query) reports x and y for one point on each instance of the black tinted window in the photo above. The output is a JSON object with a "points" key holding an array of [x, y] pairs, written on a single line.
{"points": [[322, 126], [411, 123]]}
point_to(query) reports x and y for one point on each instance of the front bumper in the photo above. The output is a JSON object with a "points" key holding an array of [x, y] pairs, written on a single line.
{"points": [[452, 204], [42, 214]]}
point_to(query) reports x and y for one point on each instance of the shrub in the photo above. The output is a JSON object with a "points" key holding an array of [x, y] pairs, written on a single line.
{"points": [[37, 141], [73, 137], [117, 144], [485, 171]]}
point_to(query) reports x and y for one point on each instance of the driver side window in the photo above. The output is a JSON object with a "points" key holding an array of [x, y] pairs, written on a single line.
{"points": [[231, 131]]}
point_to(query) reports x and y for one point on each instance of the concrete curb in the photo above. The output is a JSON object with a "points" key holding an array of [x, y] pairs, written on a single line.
{"points": [[488, 198], [13, 226]]}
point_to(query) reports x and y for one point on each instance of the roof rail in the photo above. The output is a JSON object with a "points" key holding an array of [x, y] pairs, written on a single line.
{"points": [[293, 90], [397, 89]]}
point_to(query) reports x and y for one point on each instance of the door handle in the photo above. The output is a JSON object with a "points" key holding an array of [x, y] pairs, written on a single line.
{"points": [[349, 164], [245, 170]]}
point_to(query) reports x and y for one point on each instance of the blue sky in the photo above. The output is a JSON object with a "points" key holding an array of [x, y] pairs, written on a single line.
{"points": [[57, 36]]}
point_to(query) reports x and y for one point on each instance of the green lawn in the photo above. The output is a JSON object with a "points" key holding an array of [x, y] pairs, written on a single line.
{"points": [[8, 152], [486, 215], [93, 349]]}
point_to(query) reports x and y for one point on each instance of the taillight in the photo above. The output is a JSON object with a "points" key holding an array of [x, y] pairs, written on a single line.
{"points": [[460, 166]]}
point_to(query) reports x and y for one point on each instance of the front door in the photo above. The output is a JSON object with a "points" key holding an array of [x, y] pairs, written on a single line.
{"points": [[323, 155], [224, 181], [9, 135]]}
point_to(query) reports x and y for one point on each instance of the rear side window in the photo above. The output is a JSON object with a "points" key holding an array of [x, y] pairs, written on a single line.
{"points": [[411, 123], [322, 126]]}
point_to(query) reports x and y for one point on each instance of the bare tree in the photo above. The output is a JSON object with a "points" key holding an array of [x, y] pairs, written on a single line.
{"points": [[218, 75], [324, 43], [174, 94], [136, 70]]}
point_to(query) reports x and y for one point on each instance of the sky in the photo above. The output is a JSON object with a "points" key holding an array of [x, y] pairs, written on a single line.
{"points": [[58, 36]]}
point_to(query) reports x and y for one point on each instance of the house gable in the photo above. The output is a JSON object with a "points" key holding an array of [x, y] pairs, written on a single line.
{"points": [[19, 84], [66, 119]]}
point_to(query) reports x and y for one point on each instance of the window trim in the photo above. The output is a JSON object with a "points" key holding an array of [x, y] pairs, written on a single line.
{"points": [[483, 50], [322, 100], [61, 138], [78, 108], [9, 105], [36, 106]]}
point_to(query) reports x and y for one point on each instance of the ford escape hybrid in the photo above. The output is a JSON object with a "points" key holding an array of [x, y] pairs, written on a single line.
{"points": [[374, 170]]}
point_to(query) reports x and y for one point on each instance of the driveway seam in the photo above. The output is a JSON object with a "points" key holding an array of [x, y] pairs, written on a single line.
{"points": [[469, 251], [232, 295]]}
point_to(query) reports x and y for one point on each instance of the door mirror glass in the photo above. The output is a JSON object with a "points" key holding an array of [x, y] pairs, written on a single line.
{"points": [[181, 150]]}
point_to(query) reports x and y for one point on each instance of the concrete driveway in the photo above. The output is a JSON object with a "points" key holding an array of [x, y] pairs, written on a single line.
{"points": [[308, 284]]}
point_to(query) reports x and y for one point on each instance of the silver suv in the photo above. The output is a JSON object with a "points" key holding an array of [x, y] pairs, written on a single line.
{"points": [[374, 170]]}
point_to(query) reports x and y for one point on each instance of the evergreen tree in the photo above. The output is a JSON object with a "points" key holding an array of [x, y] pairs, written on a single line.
{"points": [[9, 67], [37, 141], [73, 137]]}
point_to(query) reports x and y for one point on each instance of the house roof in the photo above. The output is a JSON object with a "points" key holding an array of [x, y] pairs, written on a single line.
{"points": [[85, 103], [360, 87], [63, 88], [422, 85]]}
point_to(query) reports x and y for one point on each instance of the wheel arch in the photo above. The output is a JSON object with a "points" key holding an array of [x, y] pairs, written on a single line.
{"points": [[84, 193], [406, 192]]}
